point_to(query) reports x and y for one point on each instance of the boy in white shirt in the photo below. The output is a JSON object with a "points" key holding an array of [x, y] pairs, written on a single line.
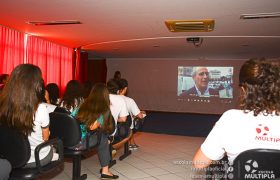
{"points": [[132, 108], [117, 104]]}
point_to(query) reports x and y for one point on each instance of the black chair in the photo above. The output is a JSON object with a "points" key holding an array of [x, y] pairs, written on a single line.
{"points": [[61, 110], [261, 163], [123, 134], [15, 148], [67, 128], [138, 124], [254, 164]]}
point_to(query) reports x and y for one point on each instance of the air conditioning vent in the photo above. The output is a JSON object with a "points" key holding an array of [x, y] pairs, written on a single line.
{"points": [[206, 25], [42, 23]]}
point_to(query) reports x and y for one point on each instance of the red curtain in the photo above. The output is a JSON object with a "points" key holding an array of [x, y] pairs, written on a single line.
{"points": [[11, 49], [55, 61], [81, 66]]}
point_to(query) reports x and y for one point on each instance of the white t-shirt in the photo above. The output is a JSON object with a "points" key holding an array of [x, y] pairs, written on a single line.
{"points": [[35, 138], [50, 107], [132, 108], [117, 107], [237, 131]]}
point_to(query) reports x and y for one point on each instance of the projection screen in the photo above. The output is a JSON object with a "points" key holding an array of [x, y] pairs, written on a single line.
{"points": [[158, 84]]}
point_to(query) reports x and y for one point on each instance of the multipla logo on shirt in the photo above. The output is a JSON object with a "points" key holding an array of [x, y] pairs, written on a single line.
{"points": [[263, 134]]}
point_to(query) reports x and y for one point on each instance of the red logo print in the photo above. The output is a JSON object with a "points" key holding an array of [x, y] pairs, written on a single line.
{"points": [[263, 130]]}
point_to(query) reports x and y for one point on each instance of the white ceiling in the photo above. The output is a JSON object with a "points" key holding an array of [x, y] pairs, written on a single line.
{"points": [[136, 29]]}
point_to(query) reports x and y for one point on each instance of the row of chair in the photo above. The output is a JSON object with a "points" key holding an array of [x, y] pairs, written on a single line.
{"points": [[15, 148], [71, 136]]}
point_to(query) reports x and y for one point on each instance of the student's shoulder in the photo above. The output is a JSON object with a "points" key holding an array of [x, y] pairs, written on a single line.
{"points": [[42, 107], [233, 114], [128, 99], [116, 98]]}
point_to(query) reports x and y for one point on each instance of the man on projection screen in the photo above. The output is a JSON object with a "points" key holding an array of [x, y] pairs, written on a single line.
{"points": [[200, 76]]}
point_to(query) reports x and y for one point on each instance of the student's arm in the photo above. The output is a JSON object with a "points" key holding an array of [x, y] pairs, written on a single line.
{"points": [[46, 133], [141, 115], [213, 146], [42, 117], [94, 126], [200, 160]]}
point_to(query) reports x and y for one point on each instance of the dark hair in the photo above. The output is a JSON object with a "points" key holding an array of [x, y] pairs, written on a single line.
{"points": [[122, 83], [20, 98], [87, 86], [96, 104], [73, 95], [261, 82], [53, 91], [117, 75], [3, 77], [113, 86]]}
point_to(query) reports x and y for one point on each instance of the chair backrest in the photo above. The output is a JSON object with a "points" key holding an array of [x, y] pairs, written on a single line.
{"points": [[14, 147], [256, 164], [65, 127], [123, 128], [138, 124], [61, 110]]}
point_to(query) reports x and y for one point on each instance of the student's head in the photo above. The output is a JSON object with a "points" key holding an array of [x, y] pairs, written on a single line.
{"points": [[113, 86], [72, 95], [99, 95], [95, 104], [21, 96], [201, 78], [87, 86], [259, 86], [117, 75], [53, 91], [123, 86]]}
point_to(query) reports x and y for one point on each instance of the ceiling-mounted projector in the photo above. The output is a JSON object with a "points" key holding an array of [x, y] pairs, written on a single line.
{"points": [[196, 41], [193, 39]]}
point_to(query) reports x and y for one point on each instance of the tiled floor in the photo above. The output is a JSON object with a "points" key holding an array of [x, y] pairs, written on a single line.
{"points": [[162, 157]]}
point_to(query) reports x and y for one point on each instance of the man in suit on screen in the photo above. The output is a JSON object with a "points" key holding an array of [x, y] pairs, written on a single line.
{"points": [[201, 88]]}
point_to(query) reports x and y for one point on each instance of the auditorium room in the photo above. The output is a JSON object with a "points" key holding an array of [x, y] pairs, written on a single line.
{"points": [[139, 90]]}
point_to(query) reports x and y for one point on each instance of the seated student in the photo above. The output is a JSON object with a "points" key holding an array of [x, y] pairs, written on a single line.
{"points": [[132, 108], [87, 86], [117, 106], [53, 93], [5, 169], [47, 102], [73, 96], [22, 108], [242, 129], [95, 113], [117, 75]]}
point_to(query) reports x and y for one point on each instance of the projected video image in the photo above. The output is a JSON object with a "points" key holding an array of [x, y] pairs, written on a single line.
{"points": [[195, 81]]}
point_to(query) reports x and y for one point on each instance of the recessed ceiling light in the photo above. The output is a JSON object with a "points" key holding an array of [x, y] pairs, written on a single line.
{"points": [[260, 15]]}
